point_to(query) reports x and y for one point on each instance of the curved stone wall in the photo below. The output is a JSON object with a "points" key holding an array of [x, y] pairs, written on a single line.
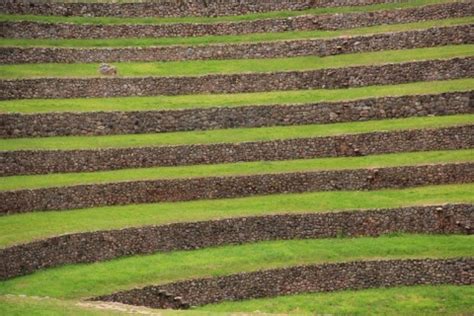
{"points": [[50, 161], [169, 8], [140, 122], [106, 245], [433, 37], [27, 29], [327, 277], [171, 190], [329, 78]]}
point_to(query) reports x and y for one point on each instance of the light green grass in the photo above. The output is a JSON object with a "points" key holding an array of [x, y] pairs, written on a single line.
{"points": [[32, 226], [243, 38], [230, 135], [197, 67], [236, 169], [231, 100], [417, 300], [86, 280], [246, 17]]}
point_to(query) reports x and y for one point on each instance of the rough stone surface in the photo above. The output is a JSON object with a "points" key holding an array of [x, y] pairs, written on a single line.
{"points": [[106, 245], [169, 8], [138, 122], [25, 29], [171, 190], [50, 161], [433, 37], [356, 76], [327, 277]]}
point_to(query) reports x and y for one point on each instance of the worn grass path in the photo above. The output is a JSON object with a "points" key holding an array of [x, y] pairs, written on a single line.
{"points": [[204, 67], [85, 280], [235, 169], [231, 39], [234, 135], [26, 227], [200, 101]]}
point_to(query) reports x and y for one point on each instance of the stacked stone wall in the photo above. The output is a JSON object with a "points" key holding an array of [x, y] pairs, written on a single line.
{"points": [[106, 245], [51, 161], [173, 190], [330, 78], [433, 37], [26, 29], [328, 277]]}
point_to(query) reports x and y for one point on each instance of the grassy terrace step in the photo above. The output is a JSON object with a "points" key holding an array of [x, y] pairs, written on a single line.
{"points": [[235, 169], [436, 300], [231, 100], [194, 68], [85, 280], [230, 135], [236, 18], [415, 300], [228, 39], [27, 227]]}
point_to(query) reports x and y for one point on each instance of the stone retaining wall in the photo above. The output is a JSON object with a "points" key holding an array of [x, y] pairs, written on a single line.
{"points": [[138, 122], [170, 8], [172, 190], [27, 29], [329, 78], [327, 277], [50, 161], [433, 37], [106, 245]]}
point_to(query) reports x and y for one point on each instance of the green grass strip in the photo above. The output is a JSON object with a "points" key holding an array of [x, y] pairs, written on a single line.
{"points": [[236, 169], [237, 18], [228, 39], [85, 280], [231, 100], [198, 67], [415, 300], [26, 227], [234, 135]]}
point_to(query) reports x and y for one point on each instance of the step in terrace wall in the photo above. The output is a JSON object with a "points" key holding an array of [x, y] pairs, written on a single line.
{"points": [[27, 29], [172, 190], [327, 277], [433, 37], [356, 76], [139, 122], [106, 245], [169, 8]]}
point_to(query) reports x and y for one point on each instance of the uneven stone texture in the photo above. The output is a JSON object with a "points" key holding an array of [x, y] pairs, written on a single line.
{"points": [[106, 245], [137, 122], [27, 29], [165, 8], [327, 277], [171, 190], [437, 36], [50, 161], [329, 78]]}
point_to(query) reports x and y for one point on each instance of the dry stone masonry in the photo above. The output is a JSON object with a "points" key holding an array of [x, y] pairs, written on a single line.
{"points": [[330, 78], [106, 245], [170, 8], [50, 161], [300, 279], [139, 122], [437, 36], [172, 190], [26, 29]]}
